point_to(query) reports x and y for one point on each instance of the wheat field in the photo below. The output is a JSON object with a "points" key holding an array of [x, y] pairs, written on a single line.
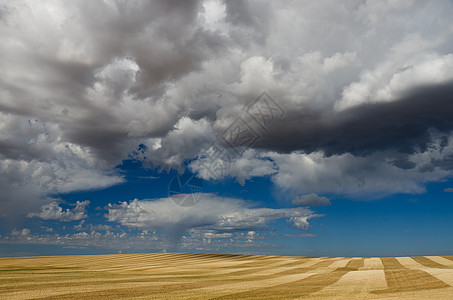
{"points": [[216, 276]]}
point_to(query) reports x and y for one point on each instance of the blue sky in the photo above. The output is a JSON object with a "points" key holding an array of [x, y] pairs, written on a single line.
{"points": [[334, 138], [401, 224]]}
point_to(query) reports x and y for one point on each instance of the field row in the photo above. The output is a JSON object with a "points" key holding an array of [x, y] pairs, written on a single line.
{"points": [[215, 276]]}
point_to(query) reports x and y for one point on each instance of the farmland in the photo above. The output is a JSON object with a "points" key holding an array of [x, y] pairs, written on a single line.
{"points": [[216, 276]]}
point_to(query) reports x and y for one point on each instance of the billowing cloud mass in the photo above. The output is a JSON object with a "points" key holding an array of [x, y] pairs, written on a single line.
{"points": [[366, 87]]}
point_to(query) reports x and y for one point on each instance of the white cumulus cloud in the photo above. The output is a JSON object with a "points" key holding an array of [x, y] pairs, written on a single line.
{"points": [[53, 211], [213, 214]]}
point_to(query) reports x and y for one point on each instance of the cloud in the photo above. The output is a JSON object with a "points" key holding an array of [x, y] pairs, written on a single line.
{"points": [[372, 176], [213, 213], [216, 162], [184, 141], [143, 240], [403, 125], [23, 232], [84, 84], [379, 174], [375, 175], [303, 235], [422, 72], [311, 200], [53, 211], [26, 184], [100, 93]]}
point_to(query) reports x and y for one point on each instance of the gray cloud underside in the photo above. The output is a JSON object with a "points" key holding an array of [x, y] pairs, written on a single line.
{"points": [[402, 125]]}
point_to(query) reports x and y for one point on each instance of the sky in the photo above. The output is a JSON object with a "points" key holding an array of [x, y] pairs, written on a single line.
{"points": [[310, 128]]}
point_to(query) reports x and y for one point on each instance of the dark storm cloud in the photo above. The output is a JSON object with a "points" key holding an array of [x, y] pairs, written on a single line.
{"points": [[445, 163], [404, 163], [402, 125]]}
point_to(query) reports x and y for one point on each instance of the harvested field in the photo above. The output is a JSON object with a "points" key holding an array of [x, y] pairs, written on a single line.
{"points": [[216, 276]]}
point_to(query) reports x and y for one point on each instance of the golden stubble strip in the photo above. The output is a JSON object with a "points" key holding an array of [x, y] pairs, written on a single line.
{"points": [[441, 271], [409, 263], [167, 261], [299, 288], [299, 261], [156, 285], [401, 279], [166, 288], [201, 262], [47, 288], [69, 262], [442, 260], [323, 264], [281, 270], [372, 263], [429, 263], [95, 291], [136, 289], [93, 277], [354, 285], [446, 275], [235, 268], [246, 281], [339, 262]]}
